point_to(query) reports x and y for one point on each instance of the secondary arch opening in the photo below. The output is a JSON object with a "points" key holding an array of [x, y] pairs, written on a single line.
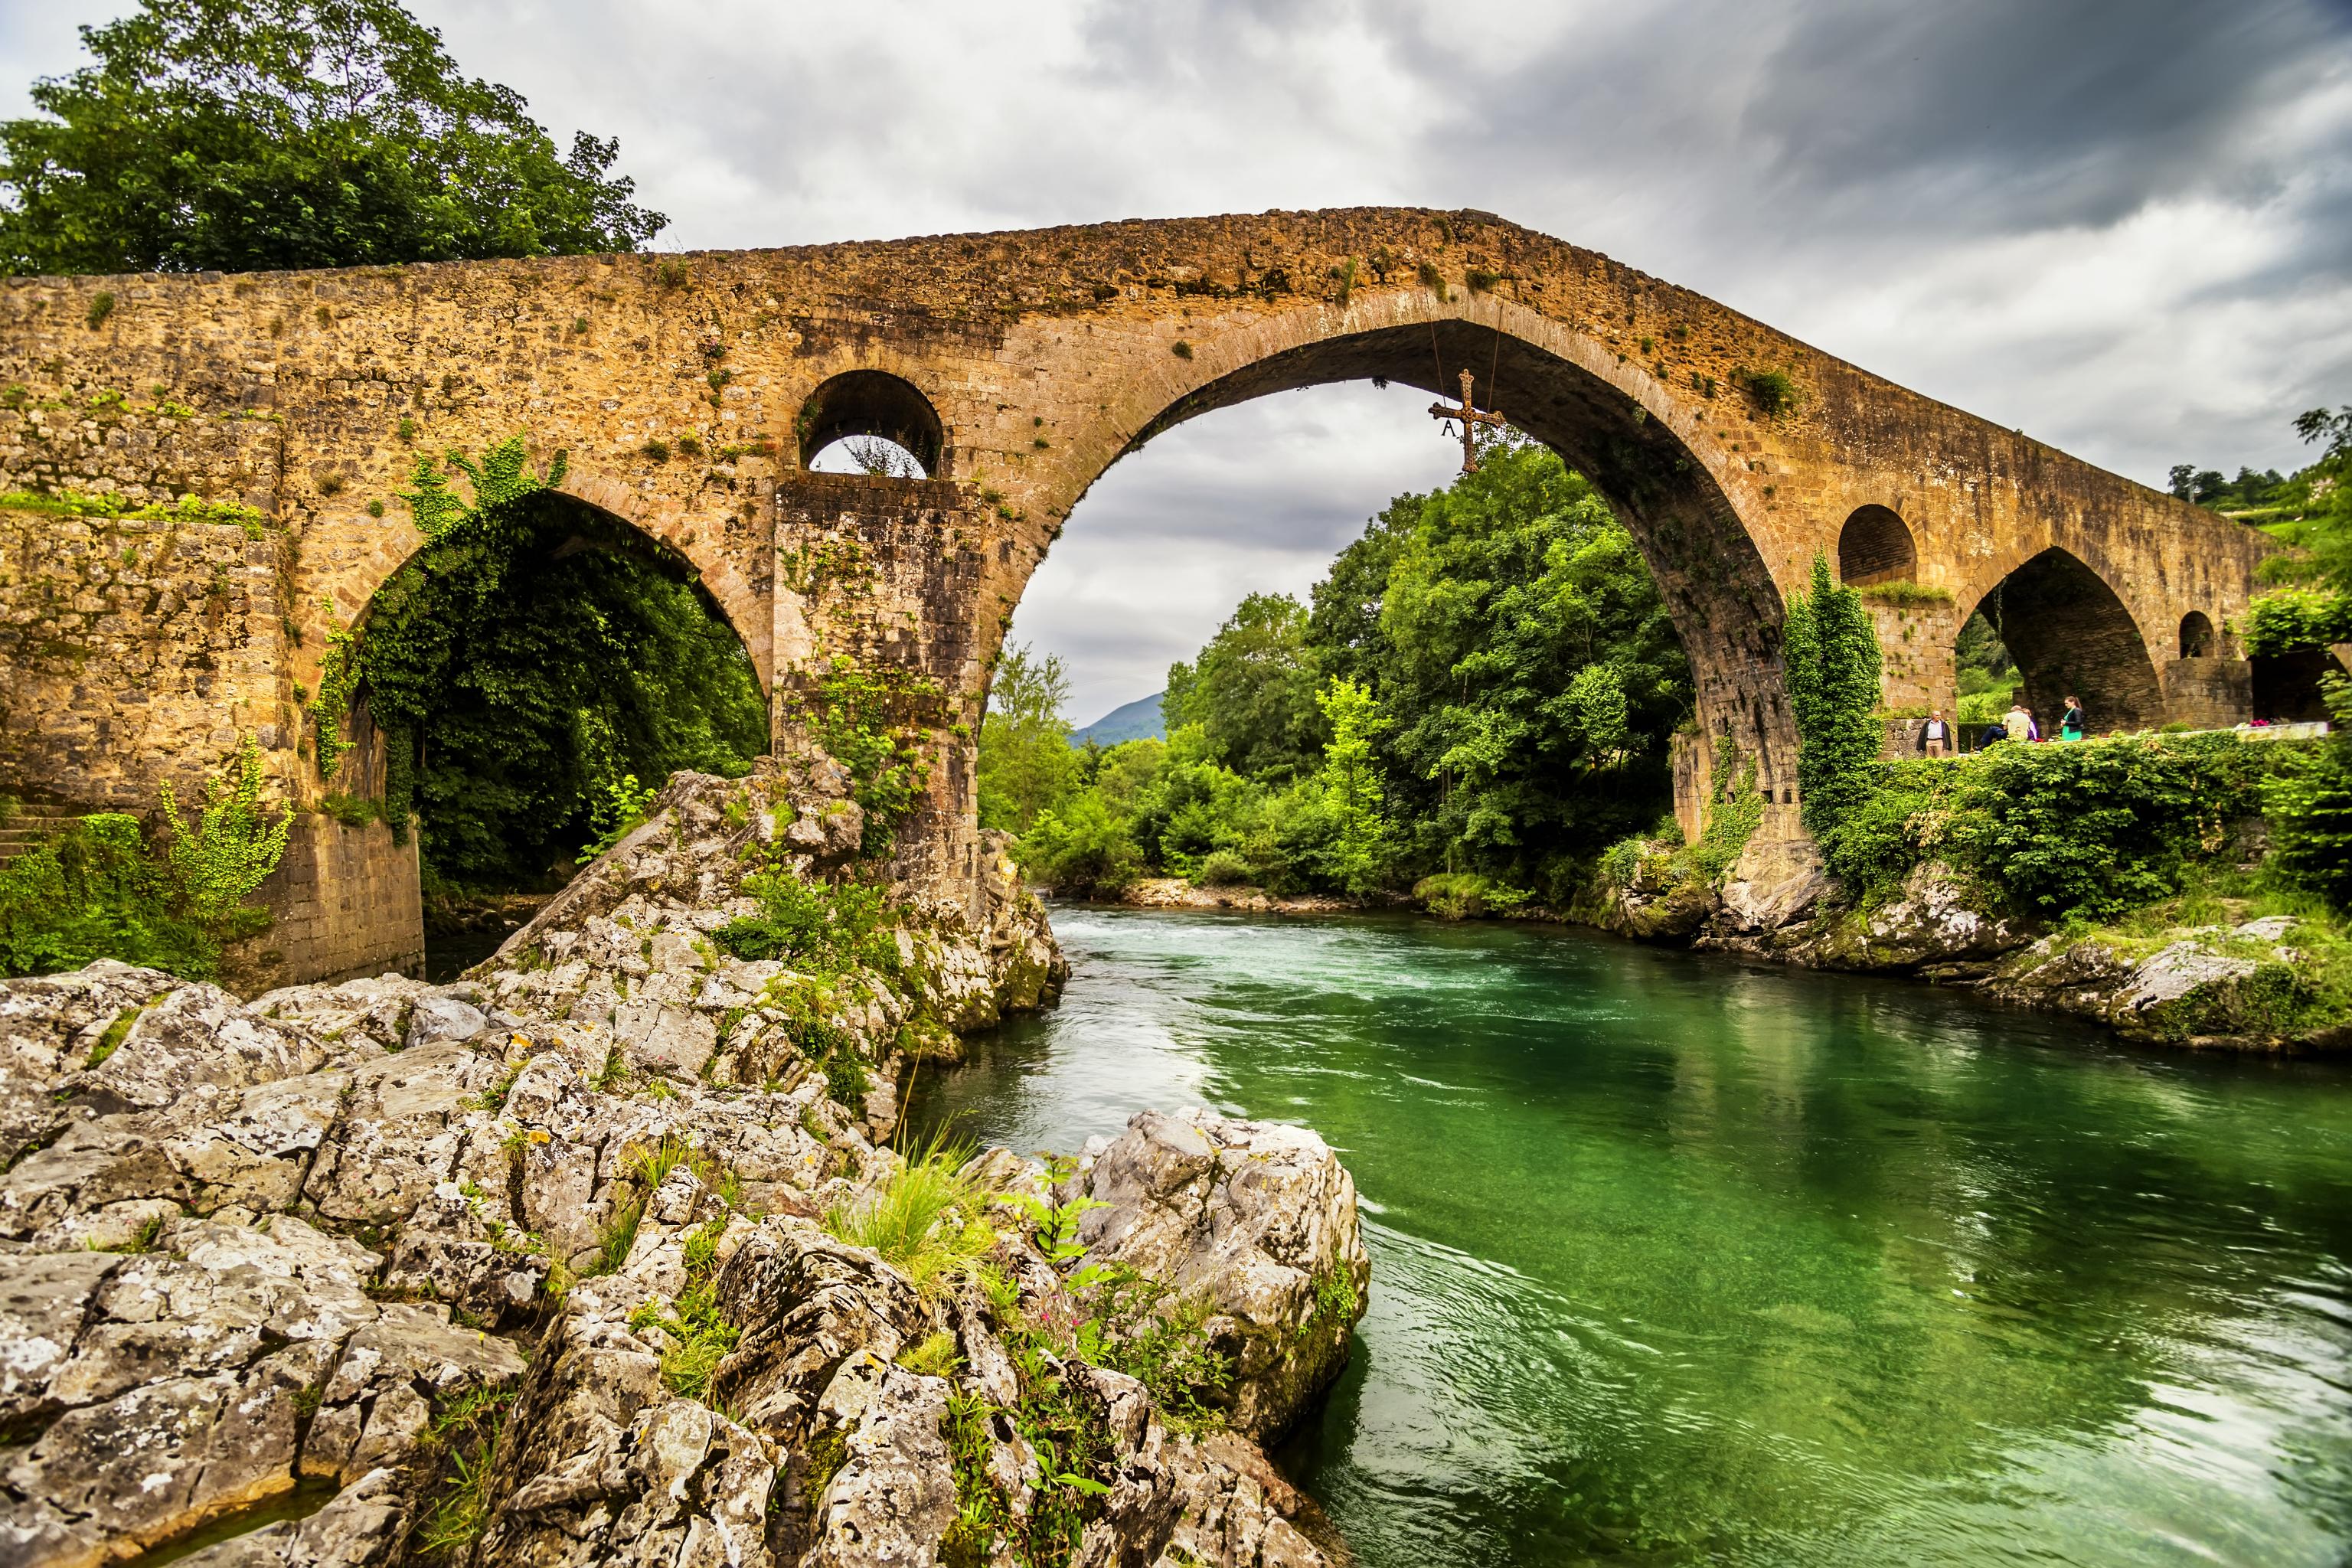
{"points": [[524, 684], [869, 421], [2054, 629], [2196, 636], [1875, 546]]}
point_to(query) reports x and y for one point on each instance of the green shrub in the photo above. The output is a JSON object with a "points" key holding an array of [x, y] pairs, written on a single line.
{"points": [[620, 813], [820, 929], [1832, 650], [100, 889], [1465, 895], [229, 850], [2309, 803], [1083, 848], [2294, 619], [1222, 868], [2100, 826]]}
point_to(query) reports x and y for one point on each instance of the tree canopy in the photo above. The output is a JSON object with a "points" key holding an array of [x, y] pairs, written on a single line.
{"points": [[1485, 686], [242, 135]]}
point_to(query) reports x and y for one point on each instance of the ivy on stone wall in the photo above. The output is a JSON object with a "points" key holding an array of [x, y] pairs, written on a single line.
{"points": [[873, 722], [1831, 649]]}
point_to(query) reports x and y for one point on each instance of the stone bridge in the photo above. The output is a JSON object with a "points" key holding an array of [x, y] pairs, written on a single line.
{"points": [[690, 391]]}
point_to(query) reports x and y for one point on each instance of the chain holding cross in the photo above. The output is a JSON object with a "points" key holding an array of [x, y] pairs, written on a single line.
{"points": [[1472, 416]]}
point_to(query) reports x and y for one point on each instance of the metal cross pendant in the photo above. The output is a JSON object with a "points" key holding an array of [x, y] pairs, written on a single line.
{"points": [[1472, 416]]}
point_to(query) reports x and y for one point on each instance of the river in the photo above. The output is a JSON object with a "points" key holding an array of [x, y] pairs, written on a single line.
{"points": [[1679, 1260]]}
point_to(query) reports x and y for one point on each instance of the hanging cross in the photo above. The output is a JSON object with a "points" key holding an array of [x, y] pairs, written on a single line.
{"points": [[1472, 416]]}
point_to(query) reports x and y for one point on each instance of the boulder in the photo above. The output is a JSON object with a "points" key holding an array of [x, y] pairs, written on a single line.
{"points": [[1255, 1218]]}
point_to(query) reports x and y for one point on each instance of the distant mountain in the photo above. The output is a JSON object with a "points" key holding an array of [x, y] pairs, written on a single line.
{"points": [[1137, 721]]}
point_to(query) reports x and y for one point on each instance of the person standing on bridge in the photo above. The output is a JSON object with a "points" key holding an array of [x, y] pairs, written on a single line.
{"points": [[1935, 735], [2074, 725]]}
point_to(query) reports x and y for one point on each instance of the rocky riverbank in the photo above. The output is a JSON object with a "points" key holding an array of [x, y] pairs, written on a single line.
{"points": [[2258, 984], [601, 1254]]}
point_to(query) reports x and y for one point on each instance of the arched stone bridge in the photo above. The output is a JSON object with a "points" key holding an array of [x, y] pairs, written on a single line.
{"points": [[689, 390]]}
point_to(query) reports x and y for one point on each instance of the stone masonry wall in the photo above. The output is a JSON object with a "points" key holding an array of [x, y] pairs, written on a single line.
{"points": [[677, 386]]}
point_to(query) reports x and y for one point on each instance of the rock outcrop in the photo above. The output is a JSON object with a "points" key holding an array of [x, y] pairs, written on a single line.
{"points": [[548, 1266]]}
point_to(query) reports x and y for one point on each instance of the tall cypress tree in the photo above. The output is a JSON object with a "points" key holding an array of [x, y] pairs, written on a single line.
{"points": [[1831, 647]]}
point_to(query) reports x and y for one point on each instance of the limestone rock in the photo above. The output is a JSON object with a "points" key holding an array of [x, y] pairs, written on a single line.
{"points": [[1937, 920], [1774, 882], [1257, 1217]]}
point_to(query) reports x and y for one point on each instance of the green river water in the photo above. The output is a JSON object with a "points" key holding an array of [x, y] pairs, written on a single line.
{"points": [[1677, 1260]]}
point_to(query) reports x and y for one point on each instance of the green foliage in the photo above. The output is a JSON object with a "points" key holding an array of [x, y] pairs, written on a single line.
{"points": [[2310, 808], [254, 135], [1083, 846], [112, 504], [926, 1220], [1026, 763], [98, 890], [1831, 651], [1485, 686], [532, 657], [1734, 812], [696, 1337], [824, 930], [1773, 391], [229, 850], [872, 721], [1467, 895], [619, 813], [466, 1436], [2090, 828], [1253, 690], [338, 683], [2291, 620]]}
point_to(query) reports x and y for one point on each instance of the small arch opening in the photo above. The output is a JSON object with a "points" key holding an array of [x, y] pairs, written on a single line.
{"points": [[881, 423], [2196, 636], [1875, 546]]}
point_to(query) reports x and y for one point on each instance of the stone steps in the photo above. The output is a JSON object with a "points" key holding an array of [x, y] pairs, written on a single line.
{"points": [[30, 826]]}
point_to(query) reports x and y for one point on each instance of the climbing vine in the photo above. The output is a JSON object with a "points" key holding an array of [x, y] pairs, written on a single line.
{"points": [[338, 683], [873, 723], [533, 659], [1831, 647]]}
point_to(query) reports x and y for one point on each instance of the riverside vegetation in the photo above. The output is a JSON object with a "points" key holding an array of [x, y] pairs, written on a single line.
{"points": [[1474, 713]]}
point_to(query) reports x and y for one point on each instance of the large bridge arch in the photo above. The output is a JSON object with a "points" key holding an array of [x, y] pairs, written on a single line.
{"points": [[1701, 518], [353, 555]]}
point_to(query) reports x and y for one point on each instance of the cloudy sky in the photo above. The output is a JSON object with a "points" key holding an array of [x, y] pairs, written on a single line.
{"points": [[2123, 225]]}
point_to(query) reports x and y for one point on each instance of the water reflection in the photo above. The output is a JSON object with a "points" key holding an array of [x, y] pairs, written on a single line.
{"points": [[1677, 1261]]}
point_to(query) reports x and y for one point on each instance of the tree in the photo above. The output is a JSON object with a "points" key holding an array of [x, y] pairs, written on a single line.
{"points": [[1027, 766], [1831, 647], [248, 134], [1526, 660], [1360, 854], [1253, 690]]}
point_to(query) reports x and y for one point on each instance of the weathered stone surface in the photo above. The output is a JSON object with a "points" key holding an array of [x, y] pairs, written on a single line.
{"points": [[1258, 1218], [1778, 878], [344, 1228], [143, 650]]}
